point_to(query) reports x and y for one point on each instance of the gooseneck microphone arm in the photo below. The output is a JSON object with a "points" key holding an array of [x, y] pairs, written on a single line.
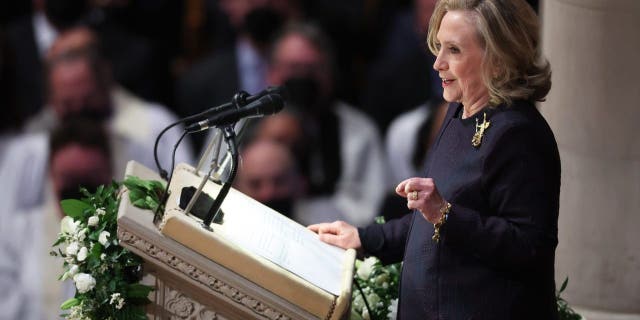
{"points": [[230, 138]]}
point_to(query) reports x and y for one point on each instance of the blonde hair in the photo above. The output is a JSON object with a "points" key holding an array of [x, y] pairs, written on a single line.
{"points": [[508, 31]]}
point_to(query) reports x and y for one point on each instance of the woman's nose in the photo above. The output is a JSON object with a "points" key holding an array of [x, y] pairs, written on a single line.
{"points": [[439, 64]]}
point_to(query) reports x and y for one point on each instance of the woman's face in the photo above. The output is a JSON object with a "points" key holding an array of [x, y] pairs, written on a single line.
{"points": [[459, 60]]}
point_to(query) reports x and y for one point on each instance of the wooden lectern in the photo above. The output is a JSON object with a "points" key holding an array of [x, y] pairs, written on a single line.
{"points": [[257, 264]]}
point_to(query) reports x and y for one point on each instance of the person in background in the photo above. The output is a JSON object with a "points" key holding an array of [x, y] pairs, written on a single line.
{"points": [[30, 37], [481, 239], [214, 79], [401, 78], [79, 84], [408, 140], [340, 153], [23, 163], [80, 156], [268, 173]]}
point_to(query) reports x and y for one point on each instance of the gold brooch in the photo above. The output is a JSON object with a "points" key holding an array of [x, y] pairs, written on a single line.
{"points": [[480, 128]]}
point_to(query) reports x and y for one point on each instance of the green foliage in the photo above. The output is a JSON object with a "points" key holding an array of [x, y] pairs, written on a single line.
{"points": [[565, 312], [93, 258], [145, 194]]}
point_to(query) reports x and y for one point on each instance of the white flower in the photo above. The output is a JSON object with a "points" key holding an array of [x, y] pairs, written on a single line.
{"points": [[93, 221], [393, 310], [73, 270], [100, 211], [82, 254], [72, 249], [68, 226], [103, 256], [84, 282], [365, 269], [82, 234], [358, 302], [373, 299], [103, 237], [365, 314], [75, 313], [114, 297], [117, 300]]}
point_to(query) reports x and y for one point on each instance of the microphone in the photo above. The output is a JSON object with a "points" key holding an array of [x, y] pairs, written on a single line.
{"points": [[266, 105], [247, 99]]}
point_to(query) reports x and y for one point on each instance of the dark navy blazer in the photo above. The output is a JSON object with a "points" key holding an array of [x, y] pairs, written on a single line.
{"points": [[495, 259]]}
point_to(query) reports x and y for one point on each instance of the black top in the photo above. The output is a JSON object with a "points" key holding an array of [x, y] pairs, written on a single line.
{"points": [[495, 259]]}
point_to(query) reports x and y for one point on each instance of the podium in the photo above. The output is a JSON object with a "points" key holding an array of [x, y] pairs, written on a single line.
{"points": [[257, 264]]}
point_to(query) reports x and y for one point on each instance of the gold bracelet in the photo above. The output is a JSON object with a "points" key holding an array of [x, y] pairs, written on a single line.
{"points": [[436, 227]]}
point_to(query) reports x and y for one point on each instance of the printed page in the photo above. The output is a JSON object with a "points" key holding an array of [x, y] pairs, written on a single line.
{"points": [[263, 231]]}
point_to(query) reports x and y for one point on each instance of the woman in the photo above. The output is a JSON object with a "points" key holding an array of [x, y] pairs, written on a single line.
{"points": [[480, 243]]}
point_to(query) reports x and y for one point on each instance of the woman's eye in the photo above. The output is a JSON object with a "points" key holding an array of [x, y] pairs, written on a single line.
{"points": [[454, 50]]}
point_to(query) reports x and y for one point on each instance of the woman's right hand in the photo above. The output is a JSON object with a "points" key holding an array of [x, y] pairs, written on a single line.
{"points": [[338, 233]]}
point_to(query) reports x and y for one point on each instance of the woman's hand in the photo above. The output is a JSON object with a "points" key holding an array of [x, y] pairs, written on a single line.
{"points": [[338, 233], [422, 194]]}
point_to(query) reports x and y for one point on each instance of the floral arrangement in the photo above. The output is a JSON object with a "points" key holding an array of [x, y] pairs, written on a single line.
{"points": [[380, 289], [105, 274], [376, 288]]}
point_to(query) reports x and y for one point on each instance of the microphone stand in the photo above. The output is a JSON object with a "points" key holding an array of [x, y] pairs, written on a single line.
{"points": [[230, 138], [239, 100]]}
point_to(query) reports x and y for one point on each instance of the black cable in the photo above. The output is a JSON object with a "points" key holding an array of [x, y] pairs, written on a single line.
{"points": [[163, 173], [364, 298], [165, 195]]}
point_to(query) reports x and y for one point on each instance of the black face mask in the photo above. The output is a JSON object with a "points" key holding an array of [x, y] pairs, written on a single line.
{"points": [[262, 24], [65, 13], [303, 93], [98, 115], [282, 205]]}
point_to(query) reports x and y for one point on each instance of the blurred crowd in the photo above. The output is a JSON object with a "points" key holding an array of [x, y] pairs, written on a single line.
{"points": [[87, 85]]}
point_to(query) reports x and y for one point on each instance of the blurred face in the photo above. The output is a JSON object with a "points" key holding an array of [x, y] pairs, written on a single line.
{"points": [[74, 88], [236, 10], [294, 56], [74, 85], [75, 165], [267, 172], [283, 128], [459, 60]]}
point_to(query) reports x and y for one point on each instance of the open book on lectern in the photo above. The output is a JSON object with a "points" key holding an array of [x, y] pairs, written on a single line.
{"points": [[264, 246]]}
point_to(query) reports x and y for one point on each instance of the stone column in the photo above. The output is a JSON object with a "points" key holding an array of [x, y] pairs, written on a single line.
{"points": [[594, 110]]}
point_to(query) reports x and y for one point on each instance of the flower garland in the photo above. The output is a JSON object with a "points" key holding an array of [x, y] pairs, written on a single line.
{"points": [[105, 274]]}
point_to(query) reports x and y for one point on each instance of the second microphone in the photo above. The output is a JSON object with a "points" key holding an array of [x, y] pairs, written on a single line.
{"points": [[267, 105]]}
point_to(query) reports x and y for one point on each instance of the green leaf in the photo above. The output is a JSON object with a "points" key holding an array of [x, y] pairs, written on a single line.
{"points": [[136, 193], [59, 241], [69, 303], [564, 284], [137, 290], [140, 203], [74, 208]]}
